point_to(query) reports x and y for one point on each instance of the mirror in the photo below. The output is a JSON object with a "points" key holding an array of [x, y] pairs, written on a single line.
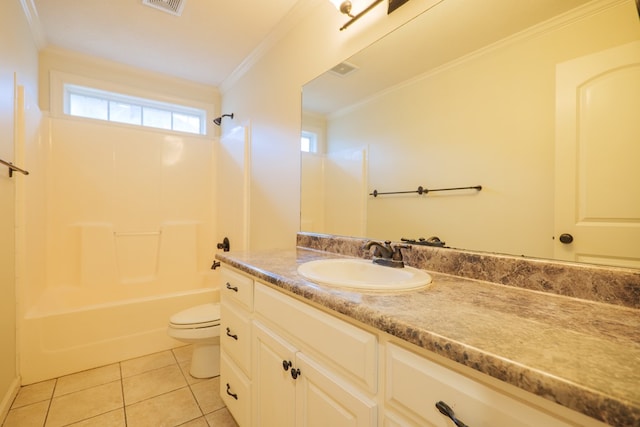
{"points": [[469, 94]]}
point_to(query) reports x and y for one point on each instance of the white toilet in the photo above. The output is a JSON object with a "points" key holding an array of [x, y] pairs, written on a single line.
{"points": [[199, 326]]}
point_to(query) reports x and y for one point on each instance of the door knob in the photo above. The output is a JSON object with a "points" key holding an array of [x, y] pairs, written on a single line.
{"points": [[566, 238]]}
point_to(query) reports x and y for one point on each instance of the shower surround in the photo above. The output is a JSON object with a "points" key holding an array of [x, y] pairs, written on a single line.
{"points": [[126, 235]]}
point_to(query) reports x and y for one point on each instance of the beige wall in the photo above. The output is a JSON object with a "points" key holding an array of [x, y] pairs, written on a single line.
{"points": [[268, 96], [17, 54]]}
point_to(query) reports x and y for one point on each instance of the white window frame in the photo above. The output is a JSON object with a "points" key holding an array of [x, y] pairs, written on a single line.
{"points": [[63, 84], [313, 138]]}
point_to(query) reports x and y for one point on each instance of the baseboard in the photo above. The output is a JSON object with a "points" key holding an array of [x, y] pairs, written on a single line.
{"points": [[8, 398]]}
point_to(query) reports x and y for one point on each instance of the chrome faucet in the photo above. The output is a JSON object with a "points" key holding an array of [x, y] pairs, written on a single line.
{"points": [[386, 254]]}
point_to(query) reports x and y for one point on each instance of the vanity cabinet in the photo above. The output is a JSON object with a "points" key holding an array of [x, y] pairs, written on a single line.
{"points": [[286, 363], [310, 368], [292, 389], [236, 310]]}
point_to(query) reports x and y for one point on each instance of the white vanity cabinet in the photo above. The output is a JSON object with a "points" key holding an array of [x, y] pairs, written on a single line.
{"points": [[344, 375], [309, 367], [236, 310]]}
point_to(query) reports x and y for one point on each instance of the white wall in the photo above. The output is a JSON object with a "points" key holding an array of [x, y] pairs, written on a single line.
{"points": [[18, 54], [269, 96]]}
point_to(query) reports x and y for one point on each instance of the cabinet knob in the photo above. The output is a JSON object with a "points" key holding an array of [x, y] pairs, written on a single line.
{"points": [[286, 364], [234, 395], [229, 334], [295, 373], [232, 288], [446, 410]]}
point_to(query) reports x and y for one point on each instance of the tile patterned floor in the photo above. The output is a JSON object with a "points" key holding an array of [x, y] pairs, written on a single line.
{"points": [[150, 391]]}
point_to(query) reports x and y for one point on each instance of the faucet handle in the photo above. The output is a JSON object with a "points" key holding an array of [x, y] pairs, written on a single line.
{"points": [[397, 251]]}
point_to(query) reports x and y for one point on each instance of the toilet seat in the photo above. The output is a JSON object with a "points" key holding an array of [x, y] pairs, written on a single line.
{"points": [[201, 316]]}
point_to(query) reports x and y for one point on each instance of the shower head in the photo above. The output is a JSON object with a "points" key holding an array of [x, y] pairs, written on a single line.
{"points": [[218, 120]]}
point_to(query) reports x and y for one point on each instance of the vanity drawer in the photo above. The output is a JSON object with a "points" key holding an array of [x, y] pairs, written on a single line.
{"points": [[235, 390], [237, 287], [352, 350], [235, 335], [414, 384]]}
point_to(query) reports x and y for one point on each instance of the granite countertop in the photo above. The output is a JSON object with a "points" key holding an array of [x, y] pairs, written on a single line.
{"points": [[581, 354]]}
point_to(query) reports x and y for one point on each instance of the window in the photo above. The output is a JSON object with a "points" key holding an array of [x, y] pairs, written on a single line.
{"points": [[91, 103], [309, 142]]}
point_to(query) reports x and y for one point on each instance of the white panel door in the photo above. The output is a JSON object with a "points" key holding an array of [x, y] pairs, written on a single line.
{"points": [[598, 157]]}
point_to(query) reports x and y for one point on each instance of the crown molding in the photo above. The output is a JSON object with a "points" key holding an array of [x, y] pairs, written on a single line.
{"points": [[37, 30], [301, 9]]}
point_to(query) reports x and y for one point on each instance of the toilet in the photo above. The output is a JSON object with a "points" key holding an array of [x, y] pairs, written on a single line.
{"points": [[199, 326]]}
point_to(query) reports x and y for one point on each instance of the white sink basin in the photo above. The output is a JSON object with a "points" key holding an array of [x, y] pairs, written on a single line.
{"points": [[363, 274]]}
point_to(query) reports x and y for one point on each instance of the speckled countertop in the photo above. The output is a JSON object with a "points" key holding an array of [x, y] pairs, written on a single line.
{"points": [[581, 354]]}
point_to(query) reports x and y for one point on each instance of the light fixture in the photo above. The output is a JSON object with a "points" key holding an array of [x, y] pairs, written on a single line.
{"points": [[346, 6]]}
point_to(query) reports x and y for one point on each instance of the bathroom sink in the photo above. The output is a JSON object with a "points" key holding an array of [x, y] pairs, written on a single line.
{"points": [[363, 275]]}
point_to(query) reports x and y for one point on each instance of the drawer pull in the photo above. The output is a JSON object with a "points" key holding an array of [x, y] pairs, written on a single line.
{"points": [[446, 410], [234, 395], [232, 288], [295, 373], [286, 364], [229, 334]]}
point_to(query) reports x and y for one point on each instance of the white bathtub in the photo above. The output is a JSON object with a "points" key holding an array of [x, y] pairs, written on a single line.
{"points": [[70, 330]]}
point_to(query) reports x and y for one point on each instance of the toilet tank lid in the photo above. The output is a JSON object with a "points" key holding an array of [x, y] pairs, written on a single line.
{"points": [[198, 314]]}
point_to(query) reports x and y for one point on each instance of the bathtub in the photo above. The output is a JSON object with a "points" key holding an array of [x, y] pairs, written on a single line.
{"points": [[71, 329]]}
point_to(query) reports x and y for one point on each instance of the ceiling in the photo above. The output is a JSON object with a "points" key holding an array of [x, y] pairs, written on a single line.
{"points": [[205, 44]]}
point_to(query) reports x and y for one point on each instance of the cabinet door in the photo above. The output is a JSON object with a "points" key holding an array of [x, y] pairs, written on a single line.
{"points": [[274, 387], [323, 399]]}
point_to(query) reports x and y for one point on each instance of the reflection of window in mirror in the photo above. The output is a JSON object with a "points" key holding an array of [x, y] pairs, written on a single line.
{"points": [[309, 142], [313, 133]]}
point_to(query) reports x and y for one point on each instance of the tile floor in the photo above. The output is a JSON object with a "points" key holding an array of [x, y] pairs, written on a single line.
{"points": [[154, 391]]}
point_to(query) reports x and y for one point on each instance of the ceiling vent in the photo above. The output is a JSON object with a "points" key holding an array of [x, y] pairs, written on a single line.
{"points": [[173, 7], [343, 69]]}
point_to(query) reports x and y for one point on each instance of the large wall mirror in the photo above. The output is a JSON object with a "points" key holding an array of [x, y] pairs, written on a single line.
{"points": [[535, 101]]}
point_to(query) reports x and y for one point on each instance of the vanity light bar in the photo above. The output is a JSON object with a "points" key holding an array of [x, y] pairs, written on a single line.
{"points": [[361, 14]]}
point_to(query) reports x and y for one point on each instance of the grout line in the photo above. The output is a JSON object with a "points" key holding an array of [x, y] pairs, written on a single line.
{"points": [[53, 393], [124, 405]]}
